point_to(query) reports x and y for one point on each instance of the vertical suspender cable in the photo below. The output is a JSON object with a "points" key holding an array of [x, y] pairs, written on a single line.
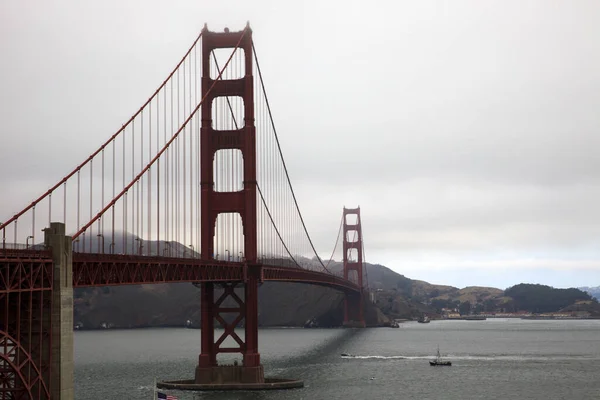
{"points": [[166, 171], [184, 170], [91, 197], [141, 191], [149, 179], [124, 249], [133, 224], [101, 227], [112, 239], [158, 177], [65, 203], [49, 209], [191, 132], [78, 202]]}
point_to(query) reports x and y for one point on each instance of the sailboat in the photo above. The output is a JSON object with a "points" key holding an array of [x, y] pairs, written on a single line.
{"points": [[438, 360]]}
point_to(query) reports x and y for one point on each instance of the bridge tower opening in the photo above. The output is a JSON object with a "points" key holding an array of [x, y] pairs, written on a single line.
{"points": [[242, 202], [353, 267]]}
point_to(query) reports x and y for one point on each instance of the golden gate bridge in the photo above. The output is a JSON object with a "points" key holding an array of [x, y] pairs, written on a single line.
{"points": [[192, 188]]}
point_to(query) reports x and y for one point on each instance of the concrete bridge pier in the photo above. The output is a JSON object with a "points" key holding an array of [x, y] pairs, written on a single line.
{"points": [[251, 371], [353, 311], [61, 375]]}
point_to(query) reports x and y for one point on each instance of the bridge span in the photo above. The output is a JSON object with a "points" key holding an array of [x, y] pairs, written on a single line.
{"points": [[198, 171]]}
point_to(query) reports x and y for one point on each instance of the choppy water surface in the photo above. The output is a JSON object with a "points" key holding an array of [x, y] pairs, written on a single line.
{"points": [[493, 359]]}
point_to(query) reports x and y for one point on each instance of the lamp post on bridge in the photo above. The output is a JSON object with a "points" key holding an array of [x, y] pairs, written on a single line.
{"points": [[228, 255], [241, 256], [27, 242], [167, 248], [192, 247], [101, 236], [140, 245]]}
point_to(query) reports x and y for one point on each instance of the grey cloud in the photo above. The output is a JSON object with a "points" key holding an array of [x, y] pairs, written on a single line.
{"points": [[460, 128]]}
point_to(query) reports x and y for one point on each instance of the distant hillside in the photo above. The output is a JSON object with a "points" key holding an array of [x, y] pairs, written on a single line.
{"points": [[293, 304], [592, 291], [542, 298], [591, 307], [279, 304]]}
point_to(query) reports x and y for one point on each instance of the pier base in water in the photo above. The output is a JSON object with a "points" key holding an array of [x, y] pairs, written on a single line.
{"points": [[268, 384], [229, 374]]}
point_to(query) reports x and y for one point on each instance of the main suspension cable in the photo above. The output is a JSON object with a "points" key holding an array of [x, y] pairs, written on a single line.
{"points": [[165, 147], [282, 159], [336, 241], [94, 154]]}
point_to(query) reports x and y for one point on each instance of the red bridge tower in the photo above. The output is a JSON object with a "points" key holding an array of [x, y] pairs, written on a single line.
{"points": [[353, 268], [242, 202]]}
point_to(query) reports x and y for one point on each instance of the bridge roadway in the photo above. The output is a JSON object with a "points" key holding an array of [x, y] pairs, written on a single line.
{"points": [[91, 269]]}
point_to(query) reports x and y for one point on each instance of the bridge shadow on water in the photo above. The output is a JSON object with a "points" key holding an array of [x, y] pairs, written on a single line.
{"points": [[294, 367]]}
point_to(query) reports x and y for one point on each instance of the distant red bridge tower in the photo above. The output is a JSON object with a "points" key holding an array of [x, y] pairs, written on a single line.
{"points": [[353, 268]]}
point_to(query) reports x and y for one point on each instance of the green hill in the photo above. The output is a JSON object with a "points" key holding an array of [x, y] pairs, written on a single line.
{"points": [[543, 299]]}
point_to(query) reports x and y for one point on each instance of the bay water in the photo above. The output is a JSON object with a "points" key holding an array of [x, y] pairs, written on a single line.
{"points": [[492, 359]]}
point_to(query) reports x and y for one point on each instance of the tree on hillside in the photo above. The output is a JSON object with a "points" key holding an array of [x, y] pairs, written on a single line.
{"points": [[438, 304], [465, 308], [542, 298], [489, 305]]}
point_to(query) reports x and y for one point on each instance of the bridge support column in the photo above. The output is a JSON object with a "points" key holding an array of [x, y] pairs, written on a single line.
{"points": [[208, 357], [251, 371], [353, 268], [242, 202], [61, 377], [353, 311]]}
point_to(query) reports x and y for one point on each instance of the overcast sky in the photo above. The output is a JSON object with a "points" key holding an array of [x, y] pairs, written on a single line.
{"points": [[467, 131]]}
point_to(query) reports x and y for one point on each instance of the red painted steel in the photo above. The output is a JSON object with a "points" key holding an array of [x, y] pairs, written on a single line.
{"points": [[111, 270], [25, 324], [242, 202], [107, 270], [26, 275], [353, 304]]}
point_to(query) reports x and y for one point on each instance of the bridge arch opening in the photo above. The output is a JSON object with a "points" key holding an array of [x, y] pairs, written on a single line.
{"points": [[236, 69], [227, 113], [351, 219], [353, 276], [352, 236], [228, 242], [228, 171], [352, 255]]}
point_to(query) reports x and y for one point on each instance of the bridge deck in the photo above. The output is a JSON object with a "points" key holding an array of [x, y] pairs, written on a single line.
{"points": [[111, 270]]}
